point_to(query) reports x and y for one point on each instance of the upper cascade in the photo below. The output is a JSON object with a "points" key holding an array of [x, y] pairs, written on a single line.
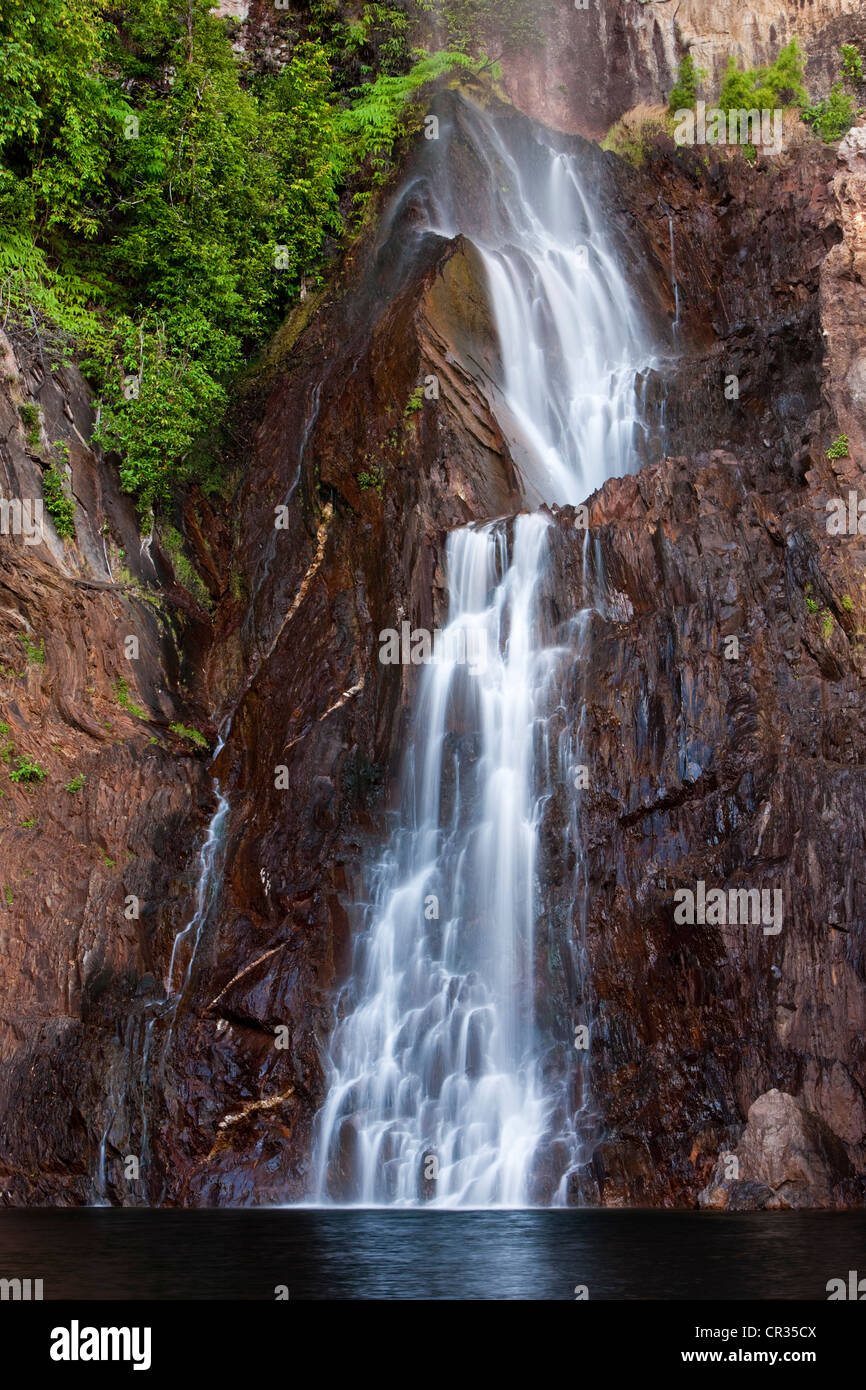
{"points": [[573, 338]]}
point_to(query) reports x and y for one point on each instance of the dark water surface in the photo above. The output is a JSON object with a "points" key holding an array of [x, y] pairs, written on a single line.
{"points": [[378, 1254]]}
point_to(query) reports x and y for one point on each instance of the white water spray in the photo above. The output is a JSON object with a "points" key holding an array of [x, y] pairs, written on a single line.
{"points": [[434, 1089]]}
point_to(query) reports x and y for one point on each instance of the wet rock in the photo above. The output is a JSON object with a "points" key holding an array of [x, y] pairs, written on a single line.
{"points": [[787, 1157]]}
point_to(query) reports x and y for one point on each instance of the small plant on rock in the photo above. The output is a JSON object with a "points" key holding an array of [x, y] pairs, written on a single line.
{"points": [[839, 448], [27, 771], [191, 735], [32, 652], [58, 505], [123, 698], [30, 419]]}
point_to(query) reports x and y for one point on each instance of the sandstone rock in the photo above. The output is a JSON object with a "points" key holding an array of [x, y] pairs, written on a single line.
{"points": [[787, 1157]]}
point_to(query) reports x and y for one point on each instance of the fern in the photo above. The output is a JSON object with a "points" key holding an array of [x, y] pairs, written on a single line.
{"points": [[379, 116], [27, 281]]}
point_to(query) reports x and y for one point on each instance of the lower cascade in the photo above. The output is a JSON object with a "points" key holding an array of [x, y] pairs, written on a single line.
{"points": [[436, 1090]]}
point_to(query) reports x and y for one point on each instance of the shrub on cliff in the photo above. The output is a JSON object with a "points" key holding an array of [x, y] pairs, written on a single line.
{"points": [[768, 88], [685, 90], [58, 504], [833, 117], [635, 134], [164, 205]]}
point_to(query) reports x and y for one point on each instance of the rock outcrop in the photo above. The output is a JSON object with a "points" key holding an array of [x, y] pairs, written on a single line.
{"points": [[786, 1158]]}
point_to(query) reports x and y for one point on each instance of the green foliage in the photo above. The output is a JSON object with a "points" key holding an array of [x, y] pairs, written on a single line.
{"points": [[685, 90], [76, 783], [839, 448], [191, 735], [378, 41], [470, 24], [57, 113], [372, 480], [779, 85], [154, 429], [124, 699], [60, 508], [31, 421], [7, 894], [415, 402], [28, 281], [848, 603], [852, 65], [162, 206], [4, 729], [826, 624], [34, 653], [833, 117], [370, 128], [219, 178], [27, 771]]}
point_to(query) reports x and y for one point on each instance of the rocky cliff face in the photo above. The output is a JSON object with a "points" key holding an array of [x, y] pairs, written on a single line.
{"points": [[595, 62], [719, 698], [768, 793], [723, 692], [732, 770], [97, 832]]}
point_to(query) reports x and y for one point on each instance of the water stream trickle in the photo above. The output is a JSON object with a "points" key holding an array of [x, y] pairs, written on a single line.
{"points": [[158, 1018]]}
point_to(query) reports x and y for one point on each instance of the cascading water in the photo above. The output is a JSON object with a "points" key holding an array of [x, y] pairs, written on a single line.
{"points": [[435, 1093], [435, 1060]]}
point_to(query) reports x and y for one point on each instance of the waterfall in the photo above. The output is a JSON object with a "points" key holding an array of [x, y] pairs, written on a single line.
{"points": [[435, 1087]]}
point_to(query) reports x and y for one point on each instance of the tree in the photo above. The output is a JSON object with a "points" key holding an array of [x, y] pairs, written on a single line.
{"points": [[685, 90]]}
